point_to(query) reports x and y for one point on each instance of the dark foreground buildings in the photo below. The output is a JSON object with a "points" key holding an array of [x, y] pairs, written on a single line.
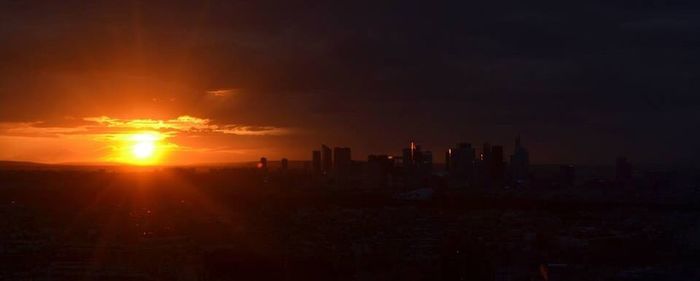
{"points": [[240, 224], [384, 219]]}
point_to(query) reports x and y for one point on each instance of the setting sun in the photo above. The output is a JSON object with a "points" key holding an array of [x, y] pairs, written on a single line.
{"points": [[143, 148]]}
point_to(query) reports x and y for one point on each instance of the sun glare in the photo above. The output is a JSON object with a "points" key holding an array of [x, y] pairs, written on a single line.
{"points": [[143, 148]]}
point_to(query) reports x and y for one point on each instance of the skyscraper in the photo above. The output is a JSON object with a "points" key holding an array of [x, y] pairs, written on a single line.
{"points": [[411, 155], [462, 161], [497, 165], [490, 167], [415, 151], [326, 159], [284, 164], [342, 160], [417, 162]]}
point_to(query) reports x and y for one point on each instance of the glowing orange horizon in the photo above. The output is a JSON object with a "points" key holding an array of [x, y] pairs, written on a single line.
{"points": [[182, 140], [140, 148]]}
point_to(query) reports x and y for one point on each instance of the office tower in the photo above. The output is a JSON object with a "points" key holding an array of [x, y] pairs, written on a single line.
{"points": [[284, 164], [490, 168], [316, 161], [263, 163], [414, 148], [326, 159], [342, 160], [416, 162], [520, 162], [623, 169], [416, 155], [411, 155], [462, 161]]}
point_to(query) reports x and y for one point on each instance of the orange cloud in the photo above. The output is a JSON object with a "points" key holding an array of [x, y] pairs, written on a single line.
{"points": [[222, 92], [190, 124], [36, 129], [103, 138]]}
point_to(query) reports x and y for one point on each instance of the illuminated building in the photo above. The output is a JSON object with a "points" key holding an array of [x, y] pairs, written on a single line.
{"points": [[411, 155], [417, 161], [414, 148]]}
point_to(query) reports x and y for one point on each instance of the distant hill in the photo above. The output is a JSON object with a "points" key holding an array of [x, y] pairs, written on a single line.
{"points": [[26, 165], [12, 164]]}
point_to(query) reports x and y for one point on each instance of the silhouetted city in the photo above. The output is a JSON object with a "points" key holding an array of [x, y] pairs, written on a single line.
{"points": [[349, 140], [474, 216]]}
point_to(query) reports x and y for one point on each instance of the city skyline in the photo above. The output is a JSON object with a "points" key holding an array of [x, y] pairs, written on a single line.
{"points": [[358, 140], [516, 150]]}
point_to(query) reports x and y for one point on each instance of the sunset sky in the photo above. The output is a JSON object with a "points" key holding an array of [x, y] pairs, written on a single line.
{"points": [[227, 81]]}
